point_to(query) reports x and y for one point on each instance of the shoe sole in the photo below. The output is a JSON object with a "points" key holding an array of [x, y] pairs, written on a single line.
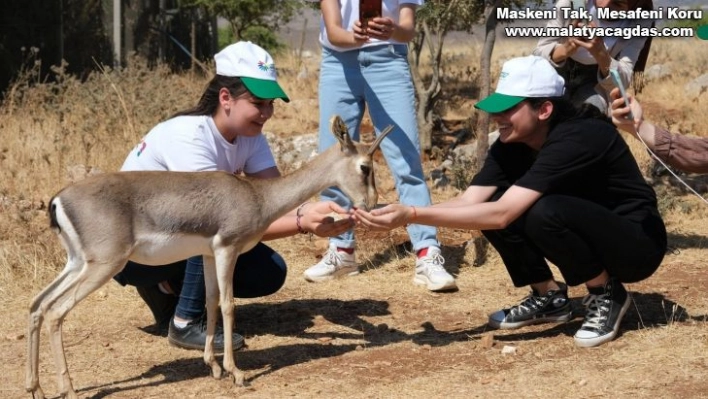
{"points": [[592, 342], [541, 320], [422, 280], [337, 273], [217, 351]]}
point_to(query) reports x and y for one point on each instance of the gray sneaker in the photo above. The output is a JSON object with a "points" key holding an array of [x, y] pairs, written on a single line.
{"points": [[430, 272], [334, 263], [534, 309], [193, 336]]}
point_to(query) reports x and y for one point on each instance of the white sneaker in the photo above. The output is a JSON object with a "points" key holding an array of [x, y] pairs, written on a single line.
{"points": [[333, 264], [429, 271]]}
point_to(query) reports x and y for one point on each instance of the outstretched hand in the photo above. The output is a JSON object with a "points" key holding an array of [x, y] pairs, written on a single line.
{"points": [[326, 219], [386, 218]]}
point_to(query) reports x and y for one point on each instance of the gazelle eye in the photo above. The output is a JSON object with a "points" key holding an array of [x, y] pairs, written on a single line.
{"points": [[365, 169]]}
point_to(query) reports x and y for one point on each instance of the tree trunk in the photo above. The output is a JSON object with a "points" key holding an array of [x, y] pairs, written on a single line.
{"points": [[490, 24], [427, 92], [479, 246]]}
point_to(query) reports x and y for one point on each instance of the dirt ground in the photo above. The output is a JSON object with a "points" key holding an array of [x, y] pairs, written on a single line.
{"points": [[376, 335]]}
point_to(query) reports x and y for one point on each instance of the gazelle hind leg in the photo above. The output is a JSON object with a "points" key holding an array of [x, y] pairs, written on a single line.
{"points": [[77, 287], [38, 307]]}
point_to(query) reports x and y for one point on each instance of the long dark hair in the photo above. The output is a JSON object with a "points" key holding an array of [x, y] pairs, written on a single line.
{"points": [[564, 110], [209, 101]]}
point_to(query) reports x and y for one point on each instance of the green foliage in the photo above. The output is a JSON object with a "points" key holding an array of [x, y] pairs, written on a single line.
{"points": [[460, 15], [691, 23], [255, 20]]}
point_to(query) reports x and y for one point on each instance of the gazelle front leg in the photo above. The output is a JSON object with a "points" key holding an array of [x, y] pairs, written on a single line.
{"points": [[225, 264]]}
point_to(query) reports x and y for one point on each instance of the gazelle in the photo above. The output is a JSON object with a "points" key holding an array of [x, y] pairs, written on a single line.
{"points": [[157, 218]]}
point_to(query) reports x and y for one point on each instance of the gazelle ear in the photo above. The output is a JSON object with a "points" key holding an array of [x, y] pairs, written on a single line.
{"points": [[341, 132], [379, 139]]}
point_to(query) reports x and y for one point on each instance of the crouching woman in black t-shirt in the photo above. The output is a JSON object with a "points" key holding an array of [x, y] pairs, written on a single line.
{"points": [[561, 185]]}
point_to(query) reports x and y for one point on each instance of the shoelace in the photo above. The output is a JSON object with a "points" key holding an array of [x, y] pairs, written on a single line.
{"points": [[332, 258], [597, 309], [531, 302], [435, 263]]}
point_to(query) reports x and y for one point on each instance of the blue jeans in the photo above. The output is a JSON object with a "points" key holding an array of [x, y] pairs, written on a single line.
{"points": [[378, 78], [259, 272]]}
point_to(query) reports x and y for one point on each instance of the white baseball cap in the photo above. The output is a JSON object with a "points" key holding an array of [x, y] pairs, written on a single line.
{"points": [[521, 78], [254, 66]]}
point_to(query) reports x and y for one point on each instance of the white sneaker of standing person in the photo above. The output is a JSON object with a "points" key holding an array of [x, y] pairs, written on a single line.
{"points": [[430, 272], [334, 263]]}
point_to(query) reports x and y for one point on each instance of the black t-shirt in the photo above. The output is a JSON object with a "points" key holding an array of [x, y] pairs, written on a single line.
{"points": [[584, 158]]}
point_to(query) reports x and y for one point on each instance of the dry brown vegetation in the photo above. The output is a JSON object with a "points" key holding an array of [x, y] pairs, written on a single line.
{"points": [[374, 335]]}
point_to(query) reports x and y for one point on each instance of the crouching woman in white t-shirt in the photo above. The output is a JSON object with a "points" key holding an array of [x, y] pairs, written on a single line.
{"points": [[222, 132]]}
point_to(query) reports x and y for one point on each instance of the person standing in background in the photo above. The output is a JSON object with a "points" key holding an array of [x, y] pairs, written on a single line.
{"points": [[366, 66]]}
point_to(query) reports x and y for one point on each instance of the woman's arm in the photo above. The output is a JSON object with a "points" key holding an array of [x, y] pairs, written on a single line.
{"points": [[686, 153], [315, 217], [556, 49], [623, 56], [462, 213]]}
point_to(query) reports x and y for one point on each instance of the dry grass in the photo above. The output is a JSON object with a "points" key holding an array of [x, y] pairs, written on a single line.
{"points": [[375, 335]]}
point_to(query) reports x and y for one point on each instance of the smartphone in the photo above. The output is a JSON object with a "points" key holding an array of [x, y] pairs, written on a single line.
{"points": [[369, 9], [618, 82], [577, 5]]}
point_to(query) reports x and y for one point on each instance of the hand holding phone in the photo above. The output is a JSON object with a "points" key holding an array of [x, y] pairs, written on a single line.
{"points": [[577, 5], [369, 9], [614, 73]]}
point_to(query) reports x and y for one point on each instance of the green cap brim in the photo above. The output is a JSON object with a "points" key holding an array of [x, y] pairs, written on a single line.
{"points": [[265, 89], [495, 103]]}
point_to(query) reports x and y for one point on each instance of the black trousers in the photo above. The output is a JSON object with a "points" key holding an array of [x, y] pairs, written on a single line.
{"points": [[582, 239]]}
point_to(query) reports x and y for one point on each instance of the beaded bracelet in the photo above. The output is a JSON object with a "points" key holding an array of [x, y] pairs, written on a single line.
{"points": [[298, 216]]}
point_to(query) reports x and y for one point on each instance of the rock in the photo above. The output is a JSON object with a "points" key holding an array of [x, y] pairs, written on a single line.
{"points": [[697, 86], [657, 72], [487, 341]]}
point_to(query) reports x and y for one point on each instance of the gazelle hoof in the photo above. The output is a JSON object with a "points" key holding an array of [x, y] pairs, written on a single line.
{"points": [[239, 379], [37, 393], [216, 371]]}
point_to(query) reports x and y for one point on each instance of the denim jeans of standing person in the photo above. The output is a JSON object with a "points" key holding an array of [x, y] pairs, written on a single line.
{"points": [[379, 78], [259, 272]]}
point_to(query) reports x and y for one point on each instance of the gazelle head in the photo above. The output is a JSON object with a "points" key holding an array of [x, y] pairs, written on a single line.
{"points": [[362, 188]]}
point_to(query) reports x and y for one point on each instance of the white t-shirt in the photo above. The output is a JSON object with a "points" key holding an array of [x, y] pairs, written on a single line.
{"points": [[193, 144], [350, 13]]}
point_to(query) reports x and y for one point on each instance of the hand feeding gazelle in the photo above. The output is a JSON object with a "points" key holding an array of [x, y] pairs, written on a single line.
{"points": [[157, 218]]}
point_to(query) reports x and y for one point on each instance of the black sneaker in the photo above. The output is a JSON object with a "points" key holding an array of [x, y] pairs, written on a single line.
{"points": [[162, 307], [535, 309], [605, 308], [193, 336]]}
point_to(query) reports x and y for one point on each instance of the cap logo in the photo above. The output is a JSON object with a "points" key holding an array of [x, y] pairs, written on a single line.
{"points": [[503, 75], [265, 67]]}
